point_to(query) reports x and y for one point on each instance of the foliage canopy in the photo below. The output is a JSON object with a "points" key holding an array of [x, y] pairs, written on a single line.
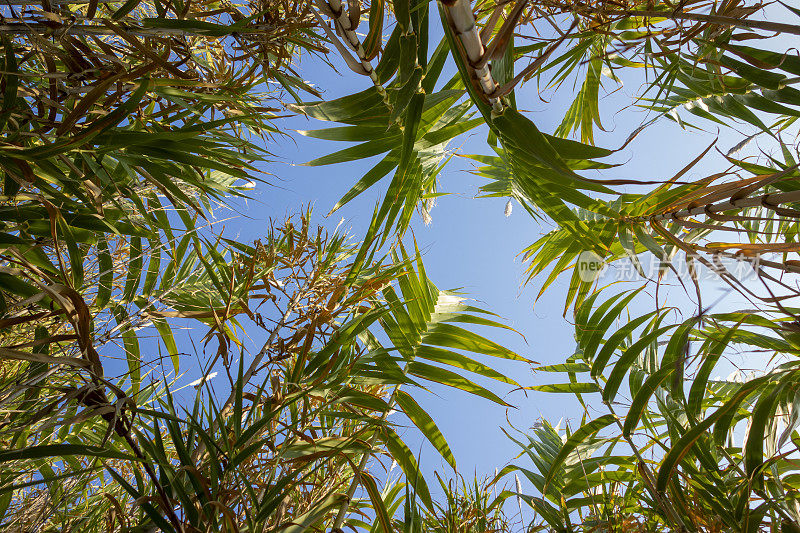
{"points": [[126, 124]]}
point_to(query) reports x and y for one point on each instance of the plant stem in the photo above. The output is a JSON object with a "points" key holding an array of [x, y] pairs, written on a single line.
{"points": [[251, 370], [770, 201], [20, 28], [721, 20], [462, 22]]}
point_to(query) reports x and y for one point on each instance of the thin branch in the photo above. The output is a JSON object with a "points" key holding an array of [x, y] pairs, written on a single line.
{"points": [[770, 201], [25, 28]]}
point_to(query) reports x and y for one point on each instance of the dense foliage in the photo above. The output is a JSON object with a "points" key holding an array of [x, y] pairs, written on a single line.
{"points": [[126, 124]]}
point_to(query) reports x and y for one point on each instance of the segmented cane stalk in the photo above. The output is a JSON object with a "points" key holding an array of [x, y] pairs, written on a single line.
{"points": [[463, 24], [335, 10], [773, 201]]}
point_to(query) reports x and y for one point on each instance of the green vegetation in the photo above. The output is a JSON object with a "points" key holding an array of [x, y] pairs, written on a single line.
{"points": [[125, 124]]}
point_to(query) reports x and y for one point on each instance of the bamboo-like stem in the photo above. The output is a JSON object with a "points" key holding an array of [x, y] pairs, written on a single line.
{"points": [[762, 262], [342, 23], [720, 20], [770, 201], [462, 20], [19, 28], [463, 24]]}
